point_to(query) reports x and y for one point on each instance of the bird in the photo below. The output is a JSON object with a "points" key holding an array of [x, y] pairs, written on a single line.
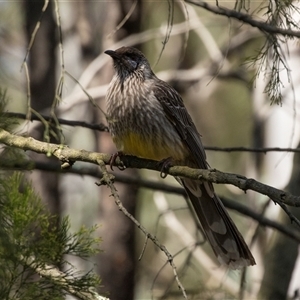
{"points": [[147, 118]]}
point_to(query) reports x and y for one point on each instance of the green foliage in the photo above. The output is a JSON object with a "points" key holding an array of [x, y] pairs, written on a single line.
{"points": [[34, 243]]}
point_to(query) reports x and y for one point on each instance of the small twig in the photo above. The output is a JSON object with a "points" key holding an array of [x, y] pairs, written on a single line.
{"points": [[169, 28], [99, 127], [59, 88], [107, 180], [24, 64], [144, 247], [185, 12], [37, 26], [46, 134], [91, 99], [290, 215], [131, 10], [248, 149], [60, 85], [161, 269], [28, 115]]}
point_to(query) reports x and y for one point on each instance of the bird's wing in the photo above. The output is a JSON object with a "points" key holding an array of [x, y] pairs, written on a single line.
{"points": [[177, 114]]}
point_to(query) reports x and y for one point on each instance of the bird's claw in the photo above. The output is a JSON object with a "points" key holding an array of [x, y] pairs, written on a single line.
{"points": [[165, 165], [112, 161]]}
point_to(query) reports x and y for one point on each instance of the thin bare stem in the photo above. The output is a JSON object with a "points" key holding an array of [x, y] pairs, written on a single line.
{"points": [[131, 10], [107, 180]]}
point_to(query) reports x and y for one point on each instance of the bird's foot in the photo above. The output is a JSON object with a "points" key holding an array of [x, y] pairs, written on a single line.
{"points": [[113, 158], [165, 165]]}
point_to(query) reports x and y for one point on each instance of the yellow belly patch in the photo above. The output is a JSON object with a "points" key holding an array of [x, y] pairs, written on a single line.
{"points": [[137, 145]]}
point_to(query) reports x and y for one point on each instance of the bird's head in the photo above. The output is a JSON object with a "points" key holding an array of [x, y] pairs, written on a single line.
{"points": [[129, 60]]}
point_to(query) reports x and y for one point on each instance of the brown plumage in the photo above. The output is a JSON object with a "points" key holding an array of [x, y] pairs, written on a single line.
{"points": [[147, 118]]}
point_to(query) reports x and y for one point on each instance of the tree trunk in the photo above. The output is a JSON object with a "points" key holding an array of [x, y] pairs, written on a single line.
{"points": [[283, 251]]}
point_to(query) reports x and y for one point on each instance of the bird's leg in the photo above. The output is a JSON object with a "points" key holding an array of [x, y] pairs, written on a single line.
{"points": [[165, 164], [113, 158]]}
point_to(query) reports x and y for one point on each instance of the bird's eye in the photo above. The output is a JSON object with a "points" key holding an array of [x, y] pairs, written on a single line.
{"points": [[133, 63]]}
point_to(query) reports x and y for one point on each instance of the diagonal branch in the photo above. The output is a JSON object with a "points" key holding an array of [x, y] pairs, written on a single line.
{"points": [[107, 180], [245, 18]]}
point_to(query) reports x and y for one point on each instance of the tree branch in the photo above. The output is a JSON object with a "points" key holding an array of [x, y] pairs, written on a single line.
{"points": [[99, 127], [255, 150], [245, 18], [263, 221], [65, 154]]}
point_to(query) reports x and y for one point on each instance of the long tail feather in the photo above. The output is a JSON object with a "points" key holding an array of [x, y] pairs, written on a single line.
{"points": [[221, 232]]}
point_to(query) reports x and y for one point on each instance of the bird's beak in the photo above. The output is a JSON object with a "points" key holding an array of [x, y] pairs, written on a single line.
{"points": [[112, 54]]}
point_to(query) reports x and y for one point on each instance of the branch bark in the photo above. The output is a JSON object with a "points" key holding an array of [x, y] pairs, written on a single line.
{"points": [[65, 154]]}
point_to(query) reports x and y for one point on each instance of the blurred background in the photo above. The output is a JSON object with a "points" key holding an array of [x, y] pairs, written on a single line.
{"points": [[207, 58]]}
